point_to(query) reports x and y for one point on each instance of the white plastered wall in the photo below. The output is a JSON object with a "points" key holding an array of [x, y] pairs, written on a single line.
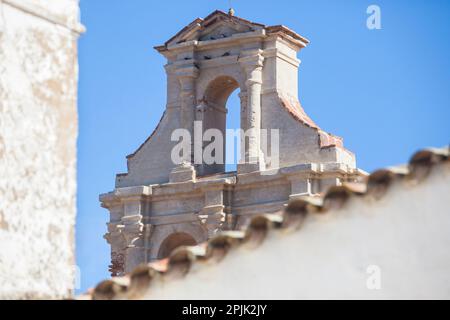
{"points": [[38, 130]]}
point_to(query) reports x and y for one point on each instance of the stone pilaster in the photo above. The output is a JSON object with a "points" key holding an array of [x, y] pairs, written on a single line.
{"points": [[132, 230], [187, 75], [213, 212], [114, 236], [128, 208], [117, 241]]}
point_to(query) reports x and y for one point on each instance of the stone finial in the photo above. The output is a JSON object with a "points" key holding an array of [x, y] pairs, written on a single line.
{"points": [[231, 12]]}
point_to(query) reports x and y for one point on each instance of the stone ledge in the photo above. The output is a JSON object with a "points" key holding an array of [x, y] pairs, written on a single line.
{"points": [[269, 207], [173, 218], [305, 170]]}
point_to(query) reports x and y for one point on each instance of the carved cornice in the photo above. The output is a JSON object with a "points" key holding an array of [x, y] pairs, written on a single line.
{"points": [[235, 39], [128, 193]]}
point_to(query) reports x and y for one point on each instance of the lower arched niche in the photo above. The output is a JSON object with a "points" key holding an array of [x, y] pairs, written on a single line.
{"points": [[174, 241]]}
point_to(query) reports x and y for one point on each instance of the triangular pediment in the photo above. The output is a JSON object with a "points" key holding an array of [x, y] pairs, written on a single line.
{"points": [[223, 29], [217, 25]]}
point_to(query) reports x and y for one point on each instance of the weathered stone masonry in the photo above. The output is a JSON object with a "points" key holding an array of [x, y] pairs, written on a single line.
{"points": [[158, 205]]}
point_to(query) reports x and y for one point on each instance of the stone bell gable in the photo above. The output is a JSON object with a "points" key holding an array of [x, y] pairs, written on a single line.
{"points": [[158, 204], [206, 62]]}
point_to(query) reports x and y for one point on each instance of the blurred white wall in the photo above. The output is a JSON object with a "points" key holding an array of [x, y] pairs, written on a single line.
{"points": [[38, 131]]}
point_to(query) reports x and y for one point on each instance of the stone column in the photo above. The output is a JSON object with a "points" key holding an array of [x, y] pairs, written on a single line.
{"points": [[187, 75], [244, 100], [252, 65], [200, 114]]}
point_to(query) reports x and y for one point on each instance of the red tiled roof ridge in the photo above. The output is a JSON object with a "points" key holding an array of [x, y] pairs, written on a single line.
{"points": [[295, 109]]}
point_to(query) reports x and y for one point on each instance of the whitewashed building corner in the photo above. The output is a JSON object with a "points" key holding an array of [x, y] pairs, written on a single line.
{"points": [[38, 132]]}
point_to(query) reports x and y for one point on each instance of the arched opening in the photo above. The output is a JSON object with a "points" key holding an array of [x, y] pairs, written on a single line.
{"points": [[233, 124], [174, 241], [221, 111]]}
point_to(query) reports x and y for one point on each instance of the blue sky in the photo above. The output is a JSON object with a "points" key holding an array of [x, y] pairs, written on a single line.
{"points": [[385, 91]]}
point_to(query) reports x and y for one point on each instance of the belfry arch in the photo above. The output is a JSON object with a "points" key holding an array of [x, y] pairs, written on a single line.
{"points": [[212, 113], [207, 61], [218, 91]]}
